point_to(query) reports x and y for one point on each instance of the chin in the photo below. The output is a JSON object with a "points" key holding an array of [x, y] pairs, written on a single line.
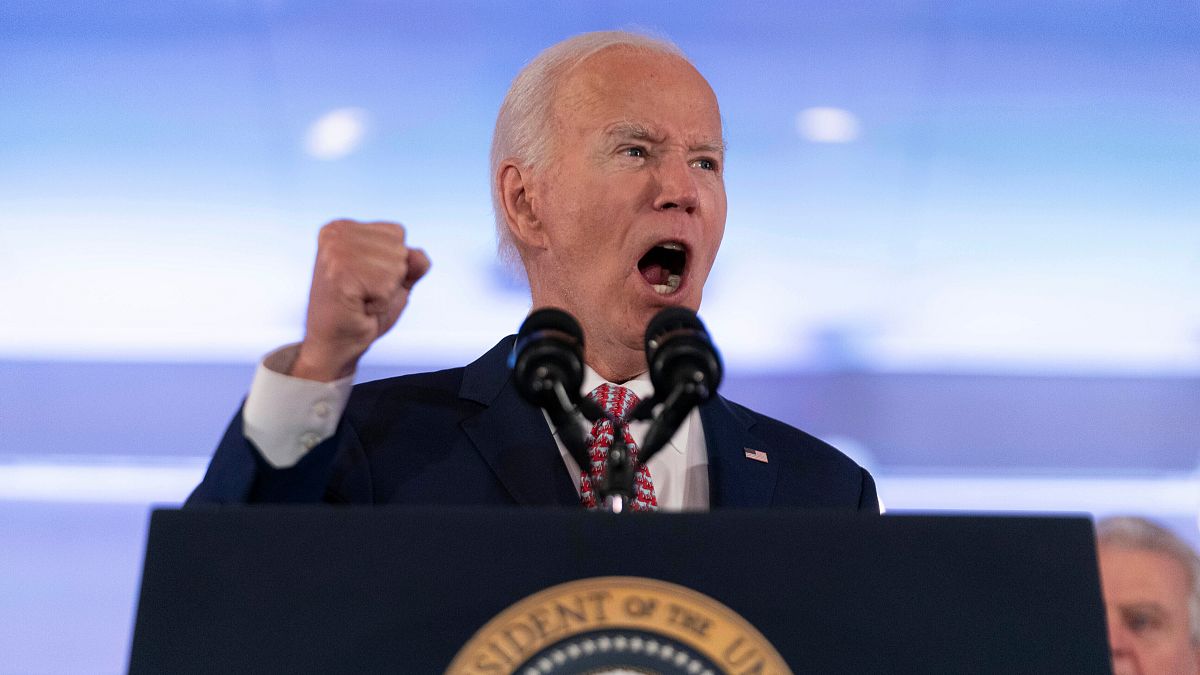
{"points": [[689, 300]]}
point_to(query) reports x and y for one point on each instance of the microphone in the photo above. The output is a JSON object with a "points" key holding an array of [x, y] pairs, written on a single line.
{"points": [[547, 366], [685, 369]]}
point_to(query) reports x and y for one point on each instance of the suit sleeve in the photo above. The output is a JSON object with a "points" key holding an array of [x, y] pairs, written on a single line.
{"points": [[282, 444], [868, 498], [238, 474]]}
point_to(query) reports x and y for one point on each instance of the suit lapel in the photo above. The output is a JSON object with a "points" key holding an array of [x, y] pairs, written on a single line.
{"points": [[735, 480], [513, 436], [515, 442]]}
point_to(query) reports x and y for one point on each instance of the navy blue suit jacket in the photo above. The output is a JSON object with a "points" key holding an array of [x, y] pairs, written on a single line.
{"points": [[464, 436]]}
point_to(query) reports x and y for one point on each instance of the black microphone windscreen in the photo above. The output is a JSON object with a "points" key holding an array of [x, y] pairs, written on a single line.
{"points": [[549, 350], [551, 319], [678, 349], [669, 320]]}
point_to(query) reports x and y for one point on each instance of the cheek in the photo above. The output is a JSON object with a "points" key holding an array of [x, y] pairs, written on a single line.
{"points": [[718, 212], [564, 198], [715, 235]]}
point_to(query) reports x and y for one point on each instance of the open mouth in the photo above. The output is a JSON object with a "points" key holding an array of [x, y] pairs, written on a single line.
{"points": [[662, 267]]}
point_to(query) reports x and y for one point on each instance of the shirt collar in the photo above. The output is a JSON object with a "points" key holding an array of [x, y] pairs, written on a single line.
{"points": [[639, 385]]}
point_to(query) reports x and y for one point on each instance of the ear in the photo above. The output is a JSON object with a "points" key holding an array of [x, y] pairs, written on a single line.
{"points": [[517, 200]]}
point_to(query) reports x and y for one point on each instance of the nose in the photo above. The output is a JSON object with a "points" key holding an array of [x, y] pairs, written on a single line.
{"points": [[1120, 641], [676, 187]]}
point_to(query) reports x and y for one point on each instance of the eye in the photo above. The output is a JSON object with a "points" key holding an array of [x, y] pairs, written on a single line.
{"points": [[1141, 622], [705, 163], [635, 151]]}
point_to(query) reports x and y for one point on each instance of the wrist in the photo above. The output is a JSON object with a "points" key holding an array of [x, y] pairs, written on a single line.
{"points": [[322, 365]]}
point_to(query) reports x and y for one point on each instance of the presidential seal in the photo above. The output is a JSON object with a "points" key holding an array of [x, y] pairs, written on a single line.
{"points": [[618, 626]]}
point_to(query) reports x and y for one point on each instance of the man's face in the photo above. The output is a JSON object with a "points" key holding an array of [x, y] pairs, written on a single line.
{"points": [[633, 201], [1145, 595]]}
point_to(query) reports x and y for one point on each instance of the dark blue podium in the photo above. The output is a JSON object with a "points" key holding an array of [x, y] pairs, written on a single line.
{"points": [[282, 589]]}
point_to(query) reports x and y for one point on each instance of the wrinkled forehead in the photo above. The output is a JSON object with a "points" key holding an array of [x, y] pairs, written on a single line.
{"points": [[638, 88], [1146, 571]]}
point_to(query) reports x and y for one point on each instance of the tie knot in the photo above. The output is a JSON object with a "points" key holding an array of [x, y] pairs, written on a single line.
{"points": [[618, 401]]}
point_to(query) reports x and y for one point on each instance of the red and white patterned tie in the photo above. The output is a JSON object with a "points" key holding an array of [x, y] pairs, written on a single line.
{"points": [[619, 402]]}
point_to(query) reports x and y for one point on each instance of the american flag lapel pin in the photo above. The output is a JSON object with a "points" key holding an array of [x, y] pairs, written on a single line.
{"points": [[756, 455]]}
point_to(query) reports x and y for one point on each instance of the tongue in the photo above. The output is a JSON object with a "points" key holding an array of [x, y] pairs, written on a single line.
{"points": [[655, 274]]}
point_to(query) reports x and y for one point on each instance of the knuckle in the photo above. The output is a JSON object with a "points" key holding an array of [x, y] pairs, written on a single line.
{"points": [[391, 229], [338, 228], [328, 234]]}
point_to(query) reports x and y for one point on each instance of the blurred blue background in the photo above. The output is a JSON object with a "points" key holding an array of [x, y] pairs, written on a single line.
{"points": [[963, 244]]}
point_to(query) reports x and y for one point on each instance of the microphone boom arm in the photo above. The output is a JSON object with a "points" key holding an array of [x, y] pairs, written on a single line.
{"points": [[566, 421]]}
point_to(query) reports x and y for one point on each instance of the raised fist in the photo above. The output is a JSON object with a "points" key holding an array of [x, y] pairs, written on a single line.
{"points": [[360, 285]]}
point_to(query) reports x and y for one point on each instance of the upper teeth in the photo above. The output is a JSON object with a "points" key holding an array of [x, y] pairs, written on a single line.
{"points": [[672, 245]]}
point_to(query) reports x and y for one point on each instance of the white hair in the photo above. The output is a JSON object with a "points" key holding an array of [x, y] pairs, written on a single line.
{"points": [[1140, 534], [523, 124]]}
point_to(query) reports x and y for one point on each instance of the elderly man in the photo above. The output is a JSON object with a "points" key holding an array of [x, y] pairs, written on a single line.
{"points": [[608, 185], [1151, 585]]}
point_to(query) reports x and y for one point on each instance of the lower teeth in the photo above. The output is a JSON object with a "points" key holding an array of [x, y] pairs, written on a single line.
{"points": [[670, 287]]}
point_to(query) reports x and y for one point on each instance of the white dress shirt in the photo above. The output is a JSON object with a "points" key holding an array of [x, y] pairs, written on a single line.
{"points": [[679, 470], [284, 417]]}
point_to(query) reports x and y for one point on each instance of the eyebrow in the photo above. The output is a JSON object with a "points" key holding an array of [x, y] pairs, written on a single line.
{"points": [[1147, 606], [638, 131]]}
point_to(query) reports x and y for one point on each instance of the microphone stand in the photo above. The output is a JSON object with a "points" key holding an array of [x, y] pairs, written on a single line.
{"points": [[569, 430], [674, 410], [620, 468], [617, 488]]}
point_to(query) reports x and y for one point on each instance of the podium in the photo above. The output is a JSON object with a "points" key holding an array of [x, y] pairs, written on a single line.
{"points": [[319, 589]]}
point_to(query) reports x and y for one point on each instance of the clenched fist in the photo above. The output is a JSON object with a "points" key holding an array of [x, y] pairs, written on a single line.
{"points": [[361, 281]]}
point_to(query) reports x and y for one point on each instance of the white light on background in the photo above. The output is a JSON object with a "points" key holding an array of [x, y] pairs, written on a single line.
{"points": [[827, 125], [114, 480], [336, 134], [131, 480]]}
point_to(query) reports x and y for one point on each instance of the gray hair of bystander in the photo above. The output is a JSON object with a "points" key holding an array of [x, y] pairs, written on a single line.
{"points": [[1138, 533]]}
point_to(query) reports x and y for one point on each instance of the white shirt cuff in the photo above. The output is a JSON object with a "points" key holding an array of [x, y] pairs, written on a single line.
{"points": [[284, 416]]}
